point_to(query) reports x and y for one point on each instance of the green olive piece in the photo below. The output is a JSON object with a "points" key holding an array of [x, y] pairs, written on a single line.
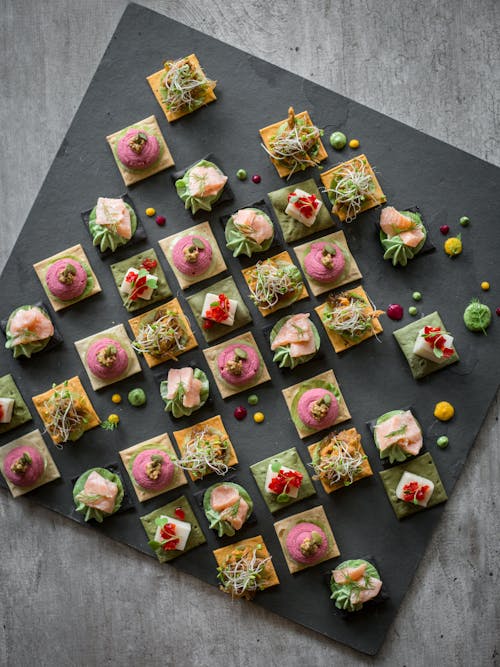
{"points": [[338, 140]]}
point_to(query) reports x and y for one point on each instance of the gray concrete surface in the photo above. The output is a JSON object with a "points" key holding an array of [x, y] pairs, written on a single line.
{"points": [[71, 597]]}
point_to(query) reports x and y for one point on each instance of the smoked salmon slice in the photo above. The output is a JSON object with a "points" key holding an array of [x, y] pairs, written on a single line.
{"points": [[252, 225], [223, 497], [349, 574], [114, 214], [365, 594], [29, 326], [239, 518], [394, 223], [105, 492], [298, 334], [190, 385], [401, 430], [205, 181]]}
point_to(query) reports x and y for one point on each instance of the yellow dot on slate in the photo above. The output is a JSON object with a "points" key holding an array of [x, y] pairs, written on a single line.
{"points": [[258, 417], [150, 211], [354, 143], [485, 286]]}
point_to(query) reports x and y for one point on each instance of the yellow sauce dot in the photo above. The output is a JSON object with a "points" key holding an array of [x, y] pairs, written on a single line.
{"points": [[113, 419], [453, 246], [258, 417], [150, 212], [485, 286], [354, 143], [116, 398], [444, 411]]}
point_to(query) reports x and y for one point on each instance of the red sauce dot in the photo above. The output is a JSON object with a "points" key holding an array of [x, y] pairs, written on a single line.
{"points": [[395, 311], [179, 513], [240, 412], [256, 178], [497, 311], [160, 220], [444, 229]]}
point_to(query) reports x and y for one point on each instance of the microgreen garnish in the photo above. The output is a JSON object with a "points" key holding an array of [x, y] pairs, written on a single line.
{"points": [[346, 315], [271, 282], [62, 416], [296, 144], [163, 337], [206, 451], [184, 88], [351, 185], [338, 462], [242, 573]]}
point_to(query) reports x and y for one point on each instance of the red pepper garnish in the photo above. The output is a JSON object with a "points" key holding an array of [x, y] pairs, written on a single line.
{"points": [[413, 491], [306, 205], [436, 340], [284, 480], [149, 264], [218, 312], [167, 533], [131, 276], [179, 513]]}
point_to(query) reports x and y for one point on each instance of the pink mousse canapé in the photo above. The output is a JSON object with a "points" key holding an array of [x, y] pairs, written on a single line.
{"points": [[107, 359], [66, 279], [152, 469], [192, 255], [138, 149], [238, 364], [23, 466]]}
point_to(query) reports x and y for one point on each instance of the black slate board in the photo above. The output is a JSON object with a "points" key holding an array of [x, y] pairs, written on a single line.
{"points": [[443, 181]]}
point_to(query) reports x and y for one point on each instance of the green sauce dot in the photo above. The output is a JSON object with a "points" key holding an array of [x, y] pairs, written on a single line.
{"points": [[241, 174], [412, 310], [253, 399], [464, 221], [442, 441], [416, 296], [338, 140], [137, 397]]}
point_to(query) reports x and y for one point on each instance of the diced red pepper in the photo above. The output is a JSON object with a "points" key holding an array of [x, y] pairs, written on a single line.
{"points": [[284, 480]]}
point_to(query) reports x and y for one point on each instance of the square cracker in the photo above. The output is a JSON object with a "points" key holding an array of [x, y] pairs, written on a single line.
{"points": [[164, 443], [213, 352], [119, 270], [174, 305], [75, 386], [338, 342], [328, 376], [291, 459], [406, 338], [421, 465], [165, 160], [292, 229], [376, 198], [118, 333], [270, 573], [228, 287], [283, 256], [353, 441], [196, 536], [351, 270], [20, 413], [317, 516], [267, 132], [155, 81], [216, 423], [33, 439], [75, 252], [217, 265]]}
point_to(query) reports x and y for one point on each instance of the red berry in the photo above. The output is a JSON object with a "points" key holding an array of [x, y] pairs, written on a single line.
{"points": [[395, 311], [256, 178], [444, 229], [160, 220], [179, 513], [240, 412], [497, 311]]}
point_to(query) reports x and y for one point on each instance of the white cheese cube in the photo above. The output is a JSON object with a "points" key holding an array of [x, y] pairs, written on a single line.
{"points": [[423, 349], [213, 298], [409, 477], [128, 284], [292, 491], [6, 408], [182, 531], [294, 212]]}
